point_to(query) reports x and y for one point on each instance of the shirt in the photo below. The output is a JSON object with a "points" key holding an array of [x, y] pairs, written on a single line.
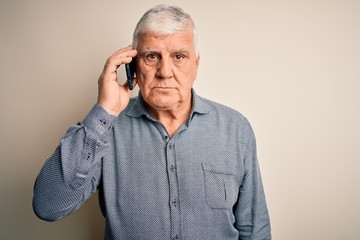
{"points": [[202, 183]]}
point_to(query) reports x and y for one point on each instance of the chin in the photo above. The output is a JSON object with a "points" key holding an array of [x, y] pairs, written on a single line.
{"points": [[162, 102]]}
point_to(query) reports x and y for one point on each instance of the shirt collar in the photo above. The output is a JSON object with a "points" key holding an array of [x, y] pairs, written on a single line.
{"points": [[138, 108]]}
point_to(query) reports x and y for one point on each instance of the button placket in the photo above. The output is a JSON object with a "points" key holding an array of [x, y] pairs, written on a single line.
{"points": [[173, 187]]}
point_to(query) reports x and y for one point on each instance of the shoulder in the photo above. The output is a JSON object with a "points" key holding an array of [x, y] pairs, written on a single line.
{"points": [[226, 119], [222, 111]]}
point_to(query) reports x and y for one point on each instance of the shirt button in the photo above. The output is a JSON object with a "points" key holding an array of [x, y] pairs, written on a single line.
{"points": [[172, 168], [103, 122], [174, 202], [176, 237], [166, 137]]}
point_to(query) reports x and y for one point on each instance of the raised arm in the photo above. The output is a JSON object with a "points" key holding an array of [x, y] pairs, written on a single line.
{"points": [[73, 172]]}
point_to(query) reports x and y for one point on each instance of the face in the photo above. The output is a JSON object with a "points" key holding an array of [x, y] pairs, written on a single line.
{"points": [[166, 69]]}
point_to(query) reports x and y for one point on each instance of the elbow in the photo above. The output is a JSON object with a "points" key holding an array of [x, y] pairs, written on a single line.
{"points": [[43, 212], [47, 209], [52, 208], [44, 216]]}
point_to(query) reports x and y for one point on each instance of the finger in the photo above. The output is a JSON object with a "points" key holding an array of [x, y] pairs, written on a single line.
{"points": [[118, 59], [123, 58], [124, 49], [112, 64], [126, 52]]}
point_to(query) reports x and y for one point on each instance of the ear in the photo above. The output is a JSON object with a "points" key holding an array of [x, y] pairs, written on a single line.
{"points": [[197, 62]]}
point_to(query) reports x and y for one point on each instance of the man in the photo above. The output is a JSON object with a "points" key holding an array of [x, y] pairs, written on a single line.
{"points": [[168, 164]]}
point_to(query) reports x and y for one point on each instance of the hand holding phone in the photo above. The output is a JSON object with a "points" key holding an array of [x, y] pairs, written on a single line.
{"points": [[112, 96]]}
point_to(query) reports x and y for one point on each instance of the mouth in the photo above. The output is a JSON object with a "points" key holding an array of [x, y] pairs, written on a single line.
{"points": [[164, 88]]}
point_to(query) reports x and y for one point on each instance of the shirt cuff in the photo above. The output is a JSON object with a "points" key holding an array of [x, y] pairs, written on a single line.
{"points": [[99, 120]]}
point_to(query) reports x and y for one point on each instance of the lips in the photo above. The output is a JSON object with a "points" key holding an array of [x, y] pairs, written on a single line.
{"points": [[164, 88]]}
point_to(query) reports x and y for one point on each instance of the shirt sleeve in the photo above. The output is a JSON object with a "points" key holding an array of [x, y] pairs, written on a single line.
{"points": [[72, 173], [252, 218]]}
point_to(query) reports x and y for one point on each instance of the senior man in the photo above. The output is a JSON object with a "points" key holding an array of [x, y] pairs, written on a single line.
{"points": [[168, 164]]}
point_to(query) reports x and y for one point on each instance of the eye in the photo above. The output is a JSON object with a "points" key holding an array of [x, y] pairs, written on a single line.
{"points": [[179, 56], [152, 56]]}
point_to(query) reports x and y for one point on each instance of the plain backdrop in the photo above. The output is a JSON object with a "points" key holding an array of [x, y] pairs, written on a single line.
{"points": [[291, 67]]}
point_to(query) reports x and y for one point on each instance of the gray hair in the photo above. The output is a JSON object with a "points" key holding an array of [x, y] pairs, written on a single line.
{"points": [[165, 20]]}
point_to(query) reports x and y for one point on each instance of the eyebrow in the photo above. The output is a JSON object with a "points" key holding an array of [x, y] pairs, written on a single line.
{"points": [[181, 50], [148, 51]]}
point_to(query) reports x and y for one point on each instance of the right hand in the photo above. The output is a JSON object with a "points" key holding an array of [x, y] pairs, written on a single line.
{"points": [[112, 96]]}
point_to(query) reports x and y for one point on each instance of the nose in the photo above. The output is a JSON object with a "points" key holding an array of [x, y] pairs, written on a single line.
{"points": [[164, 69]]}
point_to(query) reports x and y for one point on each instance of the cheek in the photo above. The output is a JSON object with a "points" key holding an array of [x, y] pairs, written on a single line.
{"points": [[143, 74], [190, 72]]}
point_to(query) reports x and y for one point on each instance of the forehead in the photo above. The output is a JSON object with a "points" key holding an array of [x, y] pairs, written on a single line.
{"points": [[157, 42]]}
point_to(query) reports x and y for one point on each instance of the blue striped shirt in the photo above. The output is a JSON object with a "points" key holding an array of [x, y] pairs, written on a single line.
{"points": [[202, 183]]}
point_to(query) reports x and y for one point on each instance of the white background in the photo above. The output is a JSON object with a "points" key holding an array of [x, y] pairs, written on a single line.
{"points": [[291, 67]]}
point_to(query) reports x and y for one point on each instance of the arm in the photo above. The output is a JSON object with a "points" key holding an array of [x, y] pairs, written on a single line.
{"points": [[252, 218], [73, 172]]}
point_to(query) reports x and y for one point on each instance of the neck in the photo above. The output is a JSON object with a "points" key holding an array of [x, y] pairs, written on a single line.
{"points": [[172, 118]]}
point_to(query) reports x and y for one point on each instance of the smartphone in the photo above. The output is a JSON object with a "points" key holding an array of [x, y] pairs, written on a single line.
{"points": [[130, 73]]}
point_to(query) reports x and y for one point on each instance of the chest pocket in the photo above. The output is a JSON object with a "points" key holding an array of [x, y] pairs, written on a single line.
{"points": [[220, 187]]}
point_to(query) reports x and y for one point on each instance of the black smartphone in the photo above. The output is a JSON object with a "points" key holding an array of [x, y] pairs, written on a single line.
{"points": [[130, 73]]}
